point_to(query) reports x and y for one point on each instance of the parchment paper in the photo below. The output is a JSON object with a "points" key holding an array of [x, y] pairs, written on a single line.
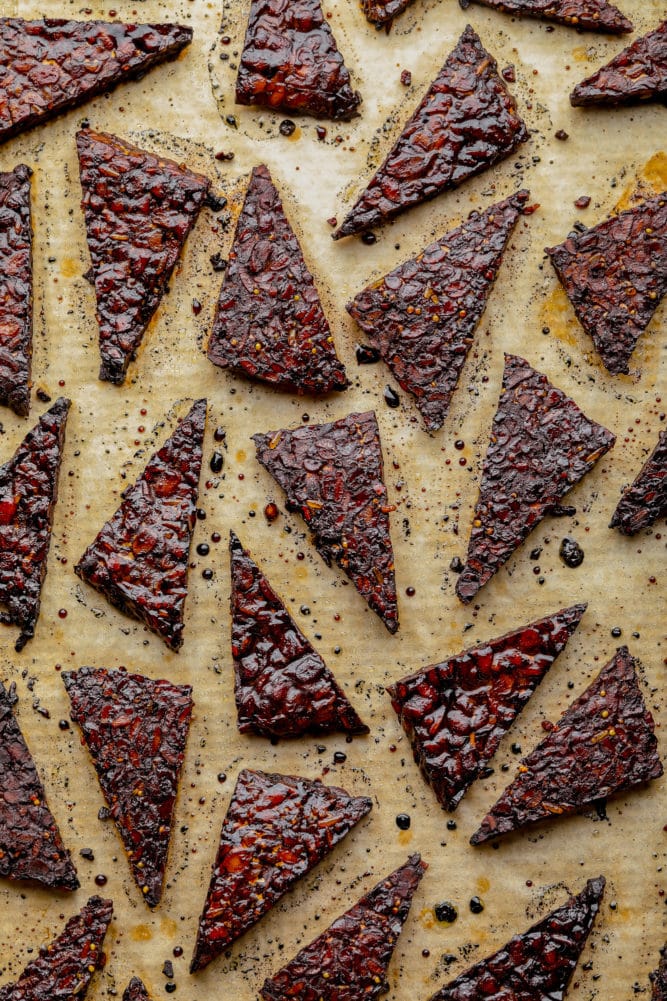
{"points": [[180, 110]]}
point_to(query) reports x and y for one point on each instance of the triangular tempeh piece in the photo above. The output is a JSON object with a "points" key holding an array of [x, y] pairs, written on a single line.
{"points": [[538, 964], [282, 686], [421, 317], [139, 560], [53, 65], [277, 828], [638, 73], [333, 476], [603, 744], [269, 324], [466, 122], [541, 445], [15, 289], [30, 843], [28, 493], [139, 209], [455, 713], [290, 62], [350, 959], [615, 276], [136, 730], [645, 500], [65, 967], [585, 15]]}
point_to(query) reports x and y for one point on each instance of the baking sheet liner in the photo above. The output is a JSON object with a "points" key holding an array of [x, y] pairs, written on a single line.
{"points": [[182, 110]]}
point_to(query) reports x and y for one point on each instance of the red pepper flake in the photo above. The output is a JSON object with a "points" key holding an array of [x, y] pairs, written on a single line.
{"points": [[582, 202], [151, 530], [615, 276], [28, 490], [586, 15], [277, 828], [455, 713], [638, 73], [269, 324], [451, 280], [290, 62], [31, 847], [406, 78], [603, 744], [356, 949], [283, 688], [333, 476], [453, 135], [645, 500], [508, 73], [139, 209], [541, 445], [136, 730], [15, 288], [540, 962], [57, 64], [66, 966]]}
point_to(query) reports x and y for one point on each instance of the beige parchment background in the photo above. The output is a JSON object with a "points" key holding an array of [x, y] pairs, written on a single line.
{"points": [[180, 110]]}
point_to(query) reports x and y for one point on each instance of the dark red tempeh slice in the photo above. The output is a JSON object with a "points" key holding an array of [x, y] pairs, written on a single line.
{"points": [[638, 73], [645, 500], [30, 843], [290, 62], [333, 476], [28, 493], [466, 123], [456, 713], [659, 978], [65, 967], [541, 445], [50, 66], [139, 209], [603, 744], [277, 828], [349, 960], [383, 12], [615, 276], [136, 730], [15, 289], [586, 15], [136, 991], [421, 317], [139, 560], [537, 965], [269, 324], [282, 686]]}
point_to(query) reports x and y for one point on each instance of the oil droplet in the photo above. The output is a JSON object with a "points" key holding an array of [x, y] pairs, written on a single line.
{"points": [[241, 455], [141, 933]]}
